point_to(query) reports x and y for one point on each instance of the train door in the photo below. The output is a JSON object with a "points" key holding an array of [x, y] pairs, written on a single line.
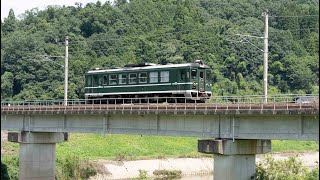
{"points": [[182, 75], [202, 84]]}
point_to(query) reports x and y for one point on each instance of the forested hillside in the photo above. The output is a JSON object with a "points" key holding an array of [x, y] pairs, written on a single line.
{"points": [[162, 31]]}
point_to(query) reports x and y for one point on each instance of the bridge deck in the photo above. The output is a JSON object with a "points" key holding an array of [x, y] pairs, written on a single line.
{"points": [[269, 108]]}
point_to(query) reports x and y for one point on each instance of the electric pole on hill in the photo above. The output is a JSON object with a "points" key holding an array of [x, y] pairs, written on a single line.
{"points": [[265, 58], [66, 73]]}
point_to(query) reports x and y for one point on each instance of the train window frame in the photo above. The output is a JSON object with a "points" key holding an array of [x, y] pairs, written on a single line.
{"points": [[164, 76], [113, 81], [194, 75], [134, 78], [153, 77], [145, 78], [122, 77], [105, 79]]}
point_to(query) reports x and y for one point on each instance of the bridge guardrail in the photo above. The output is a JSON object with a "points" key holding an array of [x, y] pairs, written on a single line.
{"points": [[276, 102]]}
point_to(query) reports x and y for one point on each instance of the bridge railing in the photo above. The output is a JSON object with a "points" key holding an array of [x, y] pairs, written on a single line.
{"points": [[253, 99]]}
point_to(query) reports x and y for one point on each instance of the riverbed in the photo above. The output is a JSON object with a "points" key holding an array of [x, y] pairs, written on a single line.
{"points": [[191, 168]]}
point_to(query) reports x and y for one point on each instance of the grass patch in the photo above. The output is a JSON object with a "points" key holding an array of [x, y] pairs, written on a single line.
{"points": [[131, 147], [127, 147], [294, 146]]}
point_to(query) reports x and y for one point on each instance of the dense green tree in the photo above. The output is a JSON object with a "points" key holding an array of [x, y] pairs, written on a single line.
{"points": [[162, 31]]}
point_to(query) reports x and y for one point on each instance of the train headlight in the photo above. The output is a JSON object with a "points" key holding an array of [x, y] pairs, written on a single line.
{"points": [[194, 85]]}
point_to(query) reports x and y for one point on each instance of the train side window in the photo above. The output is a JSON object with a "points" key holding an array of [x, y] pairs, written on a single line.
{"points": [[194, 73], [122, 79], [153, 77], [105, 79], [132, 78], [164, 76], [143, 77], [113, 79]]}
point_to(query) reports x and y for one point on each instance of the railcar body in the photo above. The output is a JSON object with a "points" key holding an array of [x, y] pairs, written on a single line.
{"points": [[189, 80]]}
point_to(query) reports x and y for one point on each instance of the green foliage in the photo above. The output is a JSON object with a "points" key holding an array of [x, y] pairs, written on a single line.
{"points": [[288, 169], [142, 174], [172, 31], [313, 174], [167, 174], [7, 85], [10, 167], [71, 167], [4, 172]]}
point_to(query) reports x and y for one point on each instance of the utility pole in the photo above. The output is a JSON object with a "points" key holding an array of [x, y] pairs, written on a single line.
{"points": [[265, 58], [66, 73], [264, 50]]}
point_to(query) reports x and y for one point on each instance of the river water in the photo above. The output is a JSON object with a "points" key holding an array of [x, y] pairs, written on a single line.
{"points": [[202, 177]]}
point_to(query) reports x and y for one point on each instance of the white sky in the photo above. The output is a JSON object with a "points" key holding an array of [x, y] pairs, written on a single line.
{"points": [[20, 6]]}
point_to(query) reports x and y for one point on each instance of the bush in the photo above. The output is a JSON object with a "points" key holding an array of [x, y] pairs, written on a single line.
{"points": [[290, 169], [9, 167], [167, 174], [71, 167]]}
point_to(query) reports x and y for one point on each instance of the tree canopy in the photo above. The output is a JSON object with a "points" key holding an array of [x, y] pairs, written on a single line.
{"points": [[162, 31]]}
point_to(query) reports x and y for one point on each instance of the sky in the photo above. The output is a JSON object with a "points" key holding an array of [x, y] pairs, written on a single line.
{"points": [[20, 6]]}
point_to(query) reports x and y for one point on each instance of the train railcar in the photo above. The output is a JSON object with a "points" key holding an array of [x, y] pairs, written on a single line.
{"points": [[190, 80]]}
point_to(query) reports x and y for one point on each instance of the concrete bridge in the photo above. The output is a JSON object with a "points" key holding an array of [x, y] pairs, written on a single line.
{"points": [[234, 132]]}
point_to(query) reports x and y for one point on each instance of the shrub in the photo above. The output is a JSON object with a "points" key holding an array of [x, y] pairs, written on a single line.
{"points": [[71, 167], [10, 167], [290, 169], [167, 174]]}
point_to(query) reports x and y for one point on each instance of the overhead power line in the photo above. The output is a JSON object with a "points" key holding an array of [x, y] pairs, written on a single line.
{"points": [[310, 15]]}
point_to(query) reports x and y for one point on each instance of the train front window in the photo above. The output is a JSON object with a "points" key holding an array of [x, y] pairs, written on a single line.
{"points": [[201, 74], [193, 73], [113, 79]]}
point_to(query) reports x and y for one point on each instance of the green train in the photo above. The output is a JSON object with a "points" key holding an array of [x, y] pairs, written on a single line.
{"points": [[180, 82]]}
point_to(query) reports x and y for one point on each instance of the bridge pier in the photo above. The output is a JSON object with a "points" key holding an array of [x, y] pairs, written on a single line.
{"points": [[37, 156], [234, 160]]}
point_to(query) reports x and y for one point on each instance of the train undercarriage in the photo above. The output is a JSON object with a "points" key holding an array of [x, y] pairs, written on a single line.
{"points": [[192, 97]]}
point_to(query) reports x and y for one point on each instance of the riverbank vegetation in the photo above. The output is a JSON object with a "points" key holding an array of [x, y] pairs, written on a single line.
{"points": [[73, 156]]}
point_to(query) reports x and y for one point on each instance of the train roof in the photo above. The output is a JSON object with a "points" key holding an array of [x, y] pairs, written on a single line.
{"points": [[148, 66]]}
